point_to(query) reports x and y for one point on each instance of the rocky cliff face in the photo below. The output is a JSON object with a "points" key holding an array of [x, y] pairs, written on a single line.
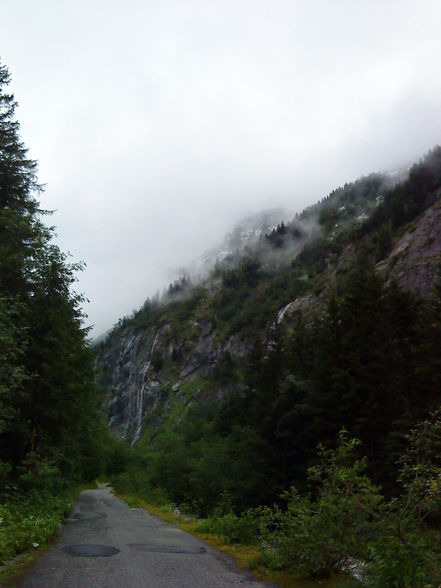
{"points": [[131, 382], [145, 372], [416, 257]]}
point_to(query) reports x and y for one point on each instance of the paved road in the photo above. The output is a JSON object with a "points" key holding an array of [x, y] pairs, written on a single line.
{"points": [[106, 544]]}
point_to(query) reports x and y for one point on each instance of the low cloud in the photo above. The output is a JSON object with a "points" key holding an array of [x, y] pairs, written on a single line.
{"points": [[158, 125]]}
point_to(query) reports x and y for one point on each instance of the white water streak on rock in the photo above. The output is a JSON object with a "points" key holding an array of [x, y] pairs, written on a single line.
{"points": [[283, 311], [140, 394]]}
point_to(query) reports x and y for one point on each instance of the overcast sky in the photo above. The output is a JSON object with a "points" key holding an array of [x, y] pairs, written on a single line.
{"points": [[159, 123]]}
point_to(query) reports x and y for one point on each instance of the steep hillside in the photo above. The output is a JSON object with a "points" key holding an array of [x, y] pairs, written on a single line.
{"points": [[194, 345], [293, 397]]}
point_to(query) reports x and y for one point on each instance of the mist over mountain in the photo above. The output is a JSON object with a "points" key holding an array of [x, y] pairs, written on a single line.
{"points": [[278, 234], [220, 109], [246, 233], [271, 264]]}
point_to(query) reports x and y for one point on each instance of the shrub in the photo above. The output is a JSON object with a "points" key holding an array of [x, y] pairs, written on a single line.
{"points": [[403, 564], [315, 535], [233, 528]]}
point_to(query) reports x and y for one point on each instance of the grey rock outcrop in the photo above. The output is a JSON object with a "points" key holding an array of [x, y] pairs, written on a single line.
{"points": [[134, 386]]}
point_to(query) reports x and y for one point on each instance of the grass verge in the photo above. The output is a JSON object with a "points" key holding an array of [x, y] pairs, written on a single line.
{"points": [[244, 555], [28, 524]]}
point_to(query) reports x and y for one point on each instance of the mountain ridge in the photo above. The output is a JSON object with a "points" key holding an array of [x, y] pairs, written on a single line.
{"points": [[194, 346]]}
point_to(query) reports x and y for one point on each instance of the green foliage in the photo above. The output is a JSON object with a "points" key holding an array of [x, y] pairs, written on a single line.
{"points": [[403, 564], [117, 456], [406, 554], [420, 474], [13, 343], [343, 518], [26, 522], [231, 527], [316, 534], [407, 200], [38, 475], [346, 518], [368, 367]]}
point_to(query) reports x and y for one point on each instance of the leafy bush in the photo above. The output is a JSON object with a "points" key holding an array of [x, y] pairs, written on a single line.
{"points": [[403, 564], [346, 518], [406, 553], [39, 475], [233, 528], [315, 535], [224, 526]]}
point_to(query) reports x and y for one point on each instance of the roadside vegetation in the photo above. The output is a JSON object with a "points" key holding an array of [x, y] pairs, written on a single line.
{"points": [[28, 522], [342, 531], [52, 431]]}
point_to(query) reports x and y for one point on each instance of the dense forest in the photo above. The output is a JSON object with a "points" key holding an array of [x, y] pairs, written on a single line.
{"points": [[52, 429]]}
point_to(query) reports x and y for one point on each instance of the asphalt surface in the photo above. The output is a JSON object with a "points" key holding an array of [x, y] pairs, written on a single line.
{"points": [[106, 544]]}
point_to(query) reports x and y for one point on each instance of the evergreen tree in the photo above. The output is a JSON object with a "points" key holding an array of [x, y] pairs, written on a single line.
{"points": [[20, 231], [49, 405]]}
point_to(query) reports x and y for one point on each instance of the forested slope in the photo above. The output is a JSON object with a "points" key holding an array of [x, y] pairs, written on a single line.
{"points": [[330, 323]]}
